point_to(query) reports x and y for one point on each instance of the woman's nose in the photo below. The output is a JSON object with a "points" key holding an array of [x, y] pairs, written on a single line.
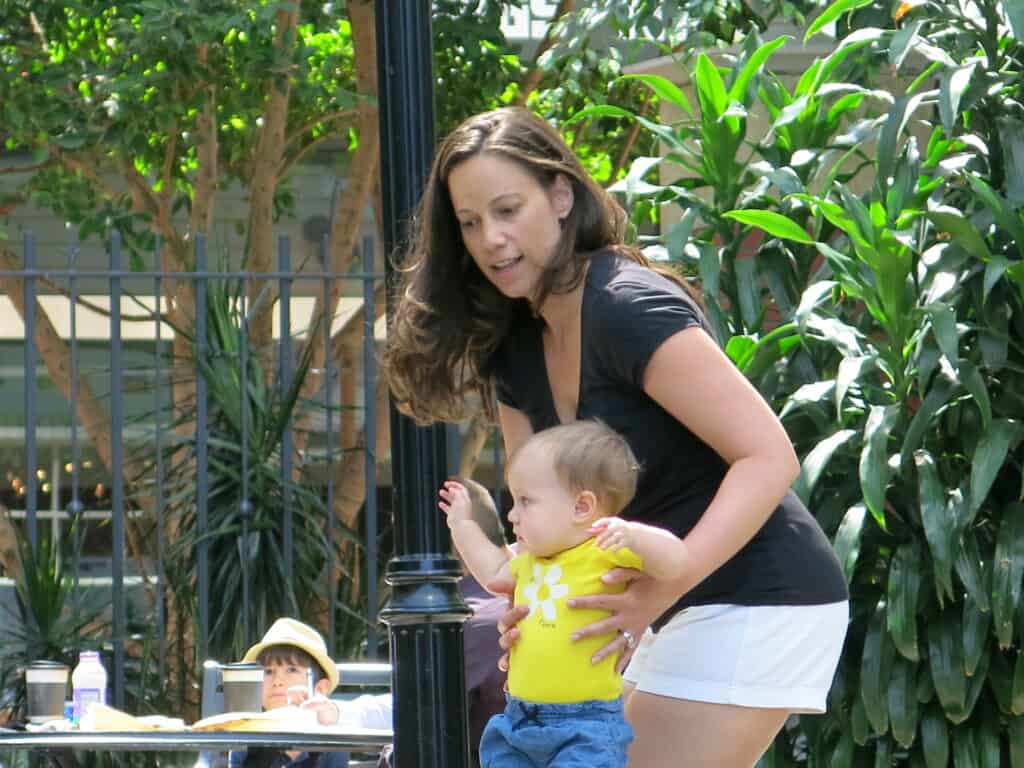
{"points": [[494, 236]]}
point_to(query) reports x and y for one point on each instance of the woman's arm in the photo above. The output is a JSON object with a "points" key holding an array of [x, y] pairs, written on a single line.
{"points": [[515, 427], [692, 379]]}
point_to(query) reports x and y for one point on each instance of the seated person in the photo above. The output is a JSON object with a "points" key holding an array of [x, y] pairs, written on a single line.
{"points": [[291, 652], [290, 648]]}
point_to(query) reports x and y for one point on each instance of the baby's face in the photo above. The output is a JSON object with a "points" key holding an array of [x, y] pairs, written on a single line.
{"points": [[278, 677], [542, 512]]}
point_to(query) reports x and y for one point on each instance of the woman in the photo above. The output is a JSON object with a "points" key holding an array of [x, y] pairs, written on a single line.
{"points": [[518, 284]]}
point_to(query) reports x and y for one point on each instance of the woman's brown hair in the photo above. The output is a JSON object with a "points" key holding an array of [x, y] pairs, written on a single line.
{"points": [[448, 319]]}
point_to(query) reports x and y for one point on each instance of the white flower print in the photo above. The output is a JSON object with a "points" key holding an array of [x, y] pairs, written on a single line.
{"points": [[545, 589]]}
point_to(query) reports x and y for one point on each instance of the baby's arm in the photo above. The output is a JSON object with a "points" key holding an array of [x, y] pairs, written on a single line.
{"points": [[485, 560], [664, 554]]}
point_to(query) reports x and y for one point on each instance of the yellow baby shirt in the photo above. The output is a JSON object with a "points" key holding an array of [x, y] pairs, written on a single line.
{"points": [[546, 666]]}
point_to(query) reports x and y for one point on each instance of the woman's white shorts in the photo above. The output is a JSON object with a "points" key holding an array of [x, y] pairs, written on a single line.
{"points": [[778, 656]]}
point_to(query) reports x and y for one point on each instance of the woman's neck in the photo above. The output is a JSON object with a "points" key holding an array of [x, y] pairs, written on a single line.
{"points": [[561, 312]]}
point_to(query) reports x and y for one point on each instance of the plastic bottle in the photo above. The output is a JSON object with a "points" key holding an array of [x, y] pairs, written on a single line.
{"points": [[88, 683]]}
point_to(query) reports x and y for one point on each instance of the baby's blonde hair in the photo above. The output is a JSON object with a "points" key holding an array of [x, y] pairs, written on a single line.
{"points": [[590, 456]]}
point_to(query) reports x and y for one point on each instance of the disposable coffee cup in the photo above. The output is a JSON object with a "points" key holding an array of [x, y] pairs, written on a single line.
{"points": [[243, 686], [46, 684]]}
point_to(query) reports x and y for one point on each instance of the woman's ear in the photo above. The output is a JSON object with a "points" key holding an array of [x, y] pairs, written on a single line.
{"points": [[561, 195], [584, 510]]}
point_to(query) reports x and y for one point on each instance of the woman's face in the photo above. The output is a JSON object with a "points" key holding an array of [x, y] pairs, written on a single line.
{"points": [[510, 224]]}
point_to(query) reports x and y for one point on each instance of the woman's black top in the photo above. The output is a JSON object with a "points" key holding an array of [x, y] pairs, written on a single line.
{"points": [[628, 311]]}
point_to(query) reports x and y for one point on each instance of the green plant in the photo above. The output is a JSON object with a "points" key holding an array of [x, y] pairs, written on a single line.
{"points": [[248, 490], [51, 619], [912, 432], [879, 303]]}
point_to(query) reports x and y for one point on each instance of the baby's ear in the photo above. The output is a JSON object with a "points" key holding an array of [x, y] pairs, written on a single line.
{"points": [[584, 510], [323, 686]]}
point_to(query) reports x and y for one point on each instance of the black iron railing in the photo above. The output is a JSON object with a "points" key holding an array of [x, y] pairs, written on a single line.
{"points": [[147, 424]]}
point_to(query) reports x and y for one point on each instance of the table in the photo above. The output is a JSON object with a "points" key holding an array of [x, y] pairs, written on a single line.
{"points": [[57, 746]]}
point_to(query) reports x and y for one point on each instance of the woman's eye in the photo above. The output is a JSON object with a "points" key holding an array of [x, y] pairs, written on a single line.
{"points": [[465, 224], [506, 212]]}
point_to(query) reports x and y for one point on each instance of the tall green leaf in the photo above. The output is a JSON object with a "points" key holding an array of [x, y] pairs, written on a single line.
{"points": [[874, 459], [946, 659], [938, 527], [1007, 572], [905, 574], [989, 457], [775, 224], [876, 669], [848, 539], [831, 13]]}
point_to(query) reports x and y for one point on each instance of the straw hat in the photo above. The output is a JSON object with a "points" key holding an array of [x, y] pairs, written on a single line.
{"points": [[295, 633]]}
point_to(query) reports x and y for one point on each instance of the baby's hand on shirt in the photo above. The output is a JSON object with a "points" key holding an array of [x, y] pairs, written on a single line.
{"points": [[611, 533], [455, 502]]}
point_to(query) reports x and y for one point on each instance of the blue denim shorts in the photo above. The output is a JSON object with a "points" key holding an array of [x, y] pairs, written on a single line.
{"points": [[588, 734]]}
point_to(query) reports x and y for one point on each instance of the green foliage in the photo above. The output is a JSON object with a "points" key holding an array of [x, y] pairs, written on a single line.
{"points": [[248, 490], [863, 261], [120, 88], [53, 620], [474, 68]]}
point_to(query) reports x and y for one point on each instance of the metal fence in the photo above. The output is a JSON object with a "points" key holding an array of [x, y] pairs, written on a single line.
{"points": [[131, 280]]}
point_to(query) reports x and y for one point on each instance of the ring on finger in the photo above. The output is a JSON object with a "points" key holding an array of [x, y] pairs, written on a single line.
{"points": [[629, 637]]}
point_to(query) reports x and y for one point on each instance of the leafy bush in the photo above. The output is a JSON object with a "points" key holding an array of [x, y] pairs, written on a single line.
{"points": [[882, 312]]}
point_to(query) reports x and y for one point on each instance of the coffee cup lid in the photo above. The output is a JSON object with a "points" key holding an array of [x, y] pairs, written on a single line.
{"points": [[47, 664]]}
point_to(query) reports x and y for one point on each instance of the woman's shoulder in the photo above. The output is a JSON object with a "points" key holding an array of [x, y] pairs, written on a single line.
{"points": [[619, 288]]}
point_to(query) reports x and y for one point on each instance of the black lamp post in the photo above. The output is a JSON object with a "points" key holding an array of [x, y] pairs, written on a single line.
{"points": [[426, 612]]}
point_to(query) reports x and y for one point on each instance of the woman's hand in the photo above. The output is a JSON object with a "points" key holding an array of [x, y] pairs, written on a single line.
{"points": [[508, 635], [632, 611]]}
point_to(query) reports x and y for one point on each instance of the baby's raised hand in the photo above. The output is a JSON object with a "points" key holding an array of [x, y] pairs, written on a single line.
{"points": [[611, 533], [455, 502]]}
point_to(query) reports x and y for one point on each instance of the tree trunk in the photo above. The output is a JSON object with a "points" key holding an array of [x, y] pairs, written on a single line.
{"points": [[267, 159], [360, 183]]}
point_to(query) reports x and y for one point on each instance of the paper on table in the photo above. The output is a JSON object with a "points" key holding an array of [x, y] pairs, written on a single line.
{"points": [[100, 717], [281, 719]]}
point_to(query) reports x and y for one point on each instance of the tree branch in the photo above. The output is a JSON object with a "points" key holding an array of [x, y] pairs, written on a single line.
{"points": [[294, 160], [26, 168], [205, 184], [631, 137], [76, 164], [263, 180], [535, 75], [331, 117], [167, 172]]}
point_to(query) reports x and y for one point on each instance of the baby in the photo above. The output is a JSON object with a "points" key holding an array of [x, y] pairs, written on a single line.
{"points": [[568, 485]]}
